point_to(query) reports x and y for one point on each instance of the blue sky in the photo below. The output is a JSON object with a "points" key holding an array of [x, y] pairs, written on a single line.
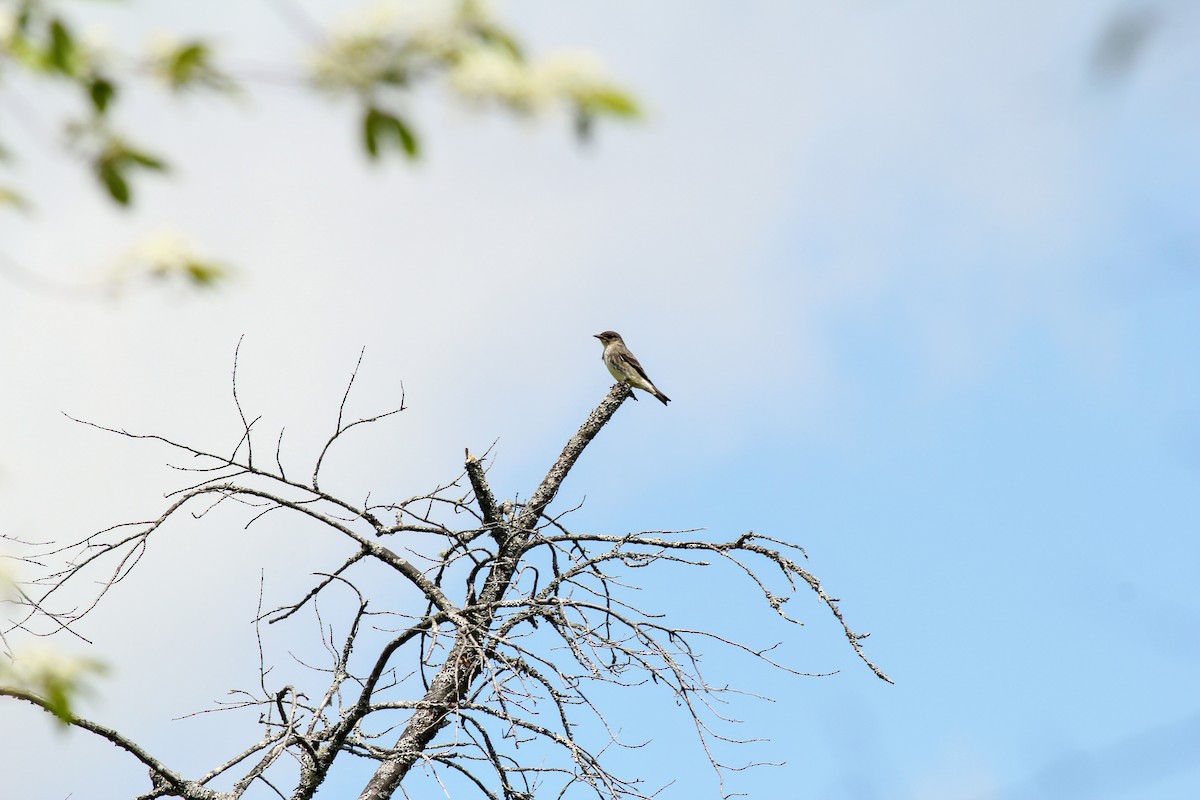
{"points": [[925, 295]]}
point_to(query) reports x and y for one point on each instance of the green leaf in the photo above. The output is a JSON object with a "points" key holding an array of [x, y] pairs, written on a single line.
{"points": [[61, 54], [380, 127], [188, 64], [102, 91], [113, 162], [371, 127], [205, 275], [191, 55], [110, 175], [613, 102], [408, 139], [200, 274], [191, 65], [58, 702], [143, 160]]}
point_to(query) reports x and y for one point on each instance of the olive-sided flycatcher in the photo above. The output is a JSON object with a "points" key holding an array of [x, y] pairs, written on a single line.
{"points": [[624, 367]]}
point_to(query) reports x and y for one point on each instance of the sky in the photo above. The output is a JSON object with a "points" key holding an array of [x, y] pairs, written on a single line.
{"points": [[922, 284]]}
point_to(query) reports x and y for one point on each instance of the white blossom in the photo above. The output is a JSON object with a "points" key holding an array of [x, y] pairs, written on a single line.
{"points": [[162, 45], [485, 73], [491, 73], [163, 248], [97, 41], [574, 74], [349, 61], [409, 15], [368, 44], [8, 24], [398, 37], [37, 666]]}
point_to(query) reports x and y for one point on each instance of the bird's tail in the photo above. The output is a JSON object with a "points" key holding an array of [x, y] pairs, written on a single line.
{"points": [[661, 396]]}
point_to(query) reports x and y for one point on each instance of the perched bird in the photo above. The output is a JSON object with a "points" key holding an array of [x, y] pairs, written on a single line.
{"points": [[624, 367]]}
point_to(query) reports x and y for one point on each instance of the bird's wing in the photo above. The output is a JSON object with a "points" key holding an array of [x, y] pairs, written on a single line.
{"points": [[633, 362]]}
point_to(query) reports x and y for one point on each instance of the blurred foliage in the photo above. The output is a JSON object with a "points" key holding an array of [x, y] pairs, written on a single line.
{"points": [[190, 65], [114, 161], [379, 127], [54, 678], [167, 256], [36, 40], [382, 54], [385, 52], [378, 59]]}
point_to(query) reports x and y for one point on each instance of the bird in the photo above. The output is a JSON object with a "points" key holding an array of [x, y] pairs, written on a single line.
{"points": [[624, 367]]}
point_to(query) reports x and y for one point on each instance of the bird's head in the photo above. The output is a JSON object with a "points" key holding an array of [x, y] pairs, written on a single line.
{"points": [[607, 337]]}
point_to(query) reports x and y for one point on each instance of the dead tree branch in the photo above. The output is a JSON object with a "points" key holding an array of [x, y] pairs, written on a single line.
{"points": [[487, 689]]}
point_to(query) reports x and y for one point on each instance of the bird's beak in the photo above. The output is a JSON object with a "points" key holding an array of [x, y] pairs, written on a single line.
{"points": [[595, 336]]}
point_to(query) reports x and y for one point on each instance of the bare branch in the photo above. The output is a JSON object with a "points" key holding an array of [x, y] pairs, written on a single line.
{"points": [[159, 772], [280, 614], [497, 662], [339, 428]]}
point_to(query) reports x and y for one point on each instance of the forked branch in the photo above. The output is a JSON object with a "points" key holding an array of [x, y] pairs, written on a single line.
{"points": [[486, 686]]}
